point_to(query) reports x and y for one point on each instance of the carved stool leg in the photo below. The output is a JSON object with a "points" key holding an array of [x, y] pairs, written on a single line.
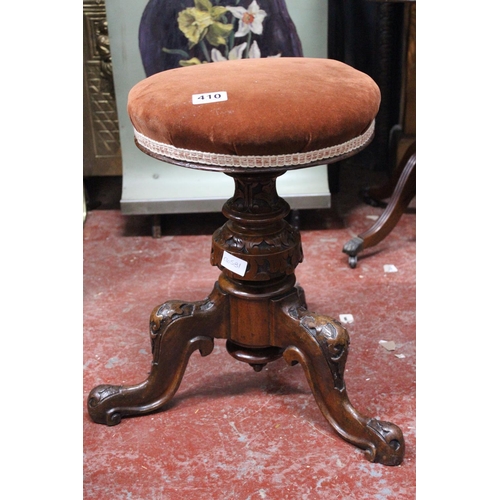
{"points": [[177, 329], [320, 344]]}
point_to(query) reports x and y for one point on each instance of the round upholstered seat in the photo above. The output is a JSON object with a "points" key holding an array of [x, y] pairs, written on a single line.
{"points": [[255, 113]]}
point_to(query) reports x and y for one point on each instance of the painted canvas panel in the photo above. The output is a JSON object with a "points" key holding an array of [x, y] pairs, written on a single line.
{"points": [[175, 33]]}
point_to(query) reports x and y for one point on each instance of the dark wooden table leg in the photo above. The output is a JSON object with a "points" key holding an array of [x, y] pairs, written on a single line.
{"points": [[404, 192]]}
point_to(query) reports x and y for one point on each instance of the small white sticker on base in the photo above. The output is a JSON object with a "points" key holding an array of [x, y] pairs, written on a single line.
{"points": [[209, 97], [234, 264]]}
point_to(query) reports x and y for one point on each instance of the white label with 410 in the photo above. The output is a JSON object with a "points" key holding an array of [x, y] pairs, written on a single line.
{"points": [[209, 97]]}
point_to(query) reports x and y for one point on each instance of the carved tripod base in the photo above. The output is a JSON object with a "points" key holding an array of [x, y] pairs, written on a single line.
{"points": [[262, 316]]}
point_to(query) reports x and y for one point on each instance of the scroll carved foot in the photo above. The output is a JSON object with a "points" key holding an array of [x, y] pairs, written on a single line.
{"points": [[320, 344], [177, 330]]}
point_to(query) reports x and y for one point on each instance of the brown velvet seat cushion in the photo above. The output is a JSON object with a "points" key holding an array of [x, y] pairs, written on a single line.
{"points": [[279, 112]]}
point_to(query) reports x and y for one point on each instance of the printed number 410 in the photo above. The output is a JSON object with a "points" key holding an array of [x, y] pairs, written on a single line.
{"points": [[209, 97]]}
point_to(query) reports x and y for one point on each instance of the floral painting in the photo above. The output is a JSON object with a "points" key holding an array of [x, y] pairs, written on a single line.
{"points": [[177, 33]]}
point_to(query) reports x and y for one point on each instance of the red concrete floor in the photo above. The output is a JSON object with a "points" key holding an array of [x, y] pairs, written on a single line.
{"points": [[230, 432]]}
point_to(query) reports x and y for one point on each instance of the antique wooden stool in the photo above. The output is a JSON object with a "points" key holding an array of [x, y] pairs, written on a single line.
{"points": [[254, 119]]}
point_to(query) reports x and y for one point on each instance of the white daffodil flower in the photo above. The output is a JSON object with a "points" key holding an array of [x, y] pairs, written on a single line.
{"points": [[250, 19], [234, 53], [254, 52]]}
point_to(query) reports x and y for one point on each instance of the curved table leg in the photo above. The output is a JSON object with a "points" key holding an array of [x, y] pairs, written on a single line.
{"points": [[403, 194], [320, 344], [177, 329]]}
